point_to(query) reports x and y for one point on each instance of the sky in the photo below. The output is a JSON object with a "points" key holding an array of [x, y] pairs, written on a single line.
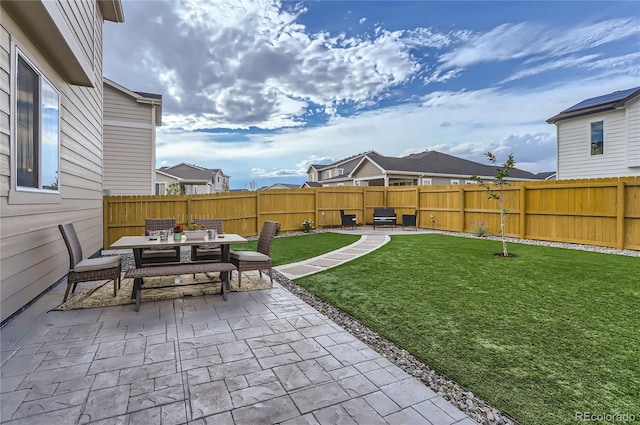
{"points": [[262, 89]]}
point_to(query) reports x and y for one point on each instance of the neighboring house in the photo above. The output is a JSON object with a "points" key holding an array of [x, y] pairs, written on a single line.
{"points": [[600, 136], [277, 186], [310, 184], [424, 168], [129, 134], [50, 139], [193, 179]]}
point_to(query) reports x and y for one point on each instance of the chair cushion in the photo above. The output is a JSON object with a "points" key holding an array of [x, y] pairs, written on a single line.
{"points": [[100, 263], [202, 251], [248, 256]]}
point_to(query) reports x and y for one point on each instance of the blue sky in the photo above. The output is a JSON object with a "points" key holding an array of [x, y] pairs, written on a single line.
{"points": [[263, 89]]}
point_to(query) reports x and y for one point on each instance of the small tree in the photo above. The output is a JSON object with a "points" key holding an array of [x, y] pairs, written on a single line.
{"points": [[501, 180], [175, 188]]}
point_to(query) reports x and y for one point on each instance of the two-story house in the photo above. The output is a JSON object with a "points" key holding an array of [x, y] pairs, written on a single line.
{"points": [[192, 179], [424, 168], [51, 144], [129, 133], [600, 136]]}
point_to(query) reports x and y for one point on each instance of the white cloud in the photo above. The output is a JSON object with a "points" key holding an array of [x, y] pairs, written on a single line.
{"points": [[511, 41]]}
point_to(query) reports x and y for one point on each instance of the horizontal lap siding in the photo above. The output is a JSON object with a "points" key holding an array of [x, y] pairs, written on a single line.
{"points": [[5, 109], [574, 151], [33, 254], [128, 144], [633, 131]]}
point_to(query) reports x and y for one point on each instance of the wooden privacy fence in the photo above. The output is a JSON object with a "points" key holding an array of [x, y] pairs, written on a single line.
{"points": [[603, 212]]}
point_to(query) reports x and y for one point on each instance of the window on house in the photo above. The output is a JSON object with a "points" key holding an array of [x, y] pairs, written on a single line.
{"points": [[470, 182], [329, 174], [37, 129], [218, 179], [312, 177], [425, 181], [597, 138], [340, 171], [455, 181], [161, 188]]}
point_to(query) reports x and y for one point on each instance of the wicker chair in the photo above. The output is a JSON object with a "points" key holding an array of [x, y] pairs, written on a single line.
{"points": [[90, 269], [207, 252], [259, 259], [160, 255], [410, 220], [347, 220]]}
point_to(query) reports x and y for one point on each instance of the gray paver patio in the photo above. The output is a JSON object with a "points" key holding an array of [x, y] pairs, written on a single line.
{"points": [[262, 357]]}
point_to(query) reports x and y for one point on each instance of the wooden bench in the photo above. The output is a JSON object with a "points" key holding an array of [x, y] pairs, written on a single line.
{"points": [[384, 217], [177, 270]]}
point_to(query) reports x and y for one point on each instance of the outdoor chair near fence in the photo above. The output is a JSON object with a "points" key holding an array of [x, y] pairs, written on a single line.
{"points": [[90, 269], [410, 220], [156, 256], [211, 252], [259, 259], [384, 217], [347, 220]]}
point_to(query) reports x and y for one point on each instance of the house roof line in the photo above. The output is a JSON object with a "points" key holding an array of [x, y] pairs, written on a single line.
{"points": [[607, 102], [140, 97]]}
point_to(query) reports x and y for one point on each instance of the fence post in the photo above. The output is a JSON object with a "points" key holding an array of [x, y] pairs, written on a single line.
{"points": [[620, 216], [523, 211], [462, 208], [258, 213]]}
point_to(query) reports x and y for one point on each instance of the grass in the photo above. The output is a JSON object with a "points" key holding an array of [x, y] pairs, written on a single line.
{"points": [[541, 336], [292, 249]]}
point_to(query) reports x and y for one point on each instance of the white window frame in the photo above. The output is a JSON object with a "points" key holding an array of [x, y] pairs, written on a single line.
{"points": [[161, 188], [455, 181], [328, 174], [16, 197], [591, 142], [470, 182], [340, 171], [425, 181], [20, 195]]}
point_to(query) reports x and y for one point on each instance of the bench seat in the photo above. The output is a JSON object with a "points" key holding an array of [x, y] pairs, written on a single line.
{"points": [[384, 217], [177, 270]]}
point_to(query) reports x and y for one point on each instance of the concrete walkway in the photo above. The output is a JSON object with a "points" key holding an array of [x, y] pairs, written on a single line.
{"points": [[262, 357]]}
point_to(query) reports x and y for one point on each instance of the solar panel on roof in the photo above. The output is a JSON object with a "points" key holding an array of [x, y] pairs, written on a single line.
{"points": [[601, 100]]}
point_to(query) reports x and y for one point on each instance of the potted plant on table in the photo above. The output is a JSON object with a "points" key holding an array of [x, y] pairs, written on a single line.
{"points": [[177, 232]]}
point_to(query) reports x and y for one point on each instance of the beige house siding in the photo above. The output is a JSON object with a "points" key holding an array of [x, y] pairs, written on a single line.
{"points": [[367, 169], [574, 149], [33, 255], [129, 144]]}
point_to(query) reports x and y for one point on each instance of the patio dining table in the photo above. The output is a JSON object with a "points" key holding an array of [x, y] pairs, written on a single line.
{"points": [[140, 243]]}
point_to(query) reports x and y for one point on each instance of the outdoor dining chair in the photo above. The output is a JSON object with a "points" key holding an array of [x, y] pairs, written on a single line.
{"points": [[207, 252], [259, 259], [160, 255], [347, 220], [90, 269]]}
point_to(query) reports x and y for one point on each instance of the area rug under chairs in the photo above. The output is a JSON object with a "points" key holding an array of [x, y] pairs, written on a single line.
{"points": [[160, 288]]}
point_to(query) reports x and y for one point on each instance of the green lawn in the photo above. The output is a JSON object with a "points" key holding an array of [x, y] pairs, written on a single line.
{"points": [[292, 249], [541, 336]]}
